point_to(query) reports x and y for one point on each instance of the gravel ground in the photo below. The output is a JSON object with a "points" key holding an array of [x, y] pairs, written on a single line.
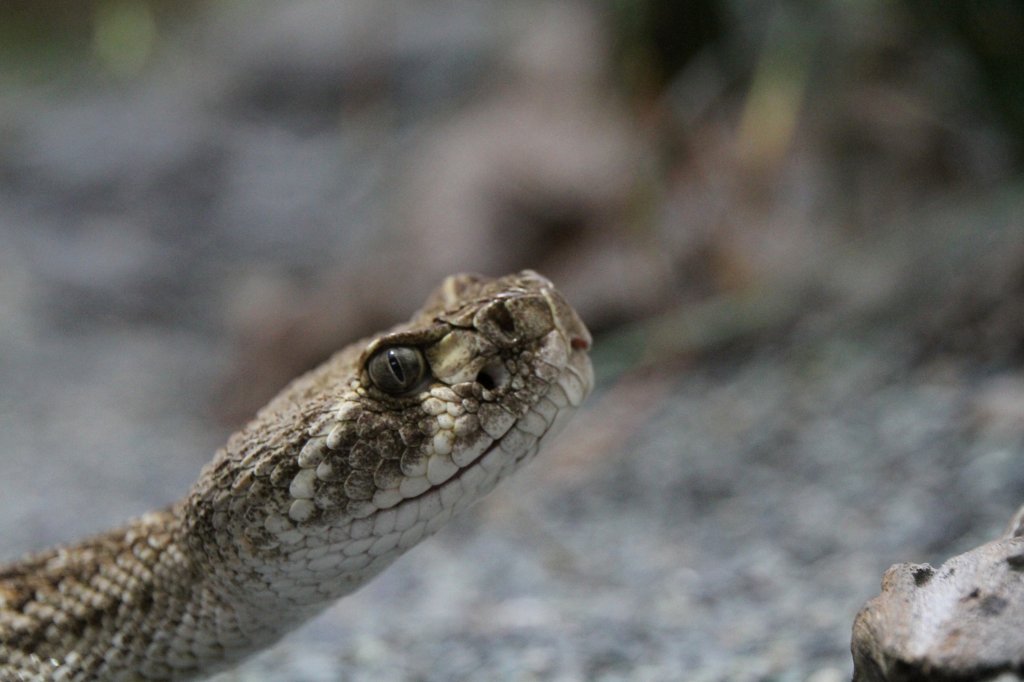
{"points": [[721, 520]]}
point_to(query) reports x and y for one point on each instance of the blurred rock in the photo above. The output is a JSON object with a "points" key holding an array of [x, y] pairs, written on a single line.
{"points": [[999, 403], [963, 621], [981, 313], [308, 63]]}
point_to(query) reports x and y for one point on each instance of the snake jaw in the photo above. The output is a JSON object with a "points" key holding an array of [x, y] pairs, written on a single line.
{"points": [[506, 363], [387, 471]]}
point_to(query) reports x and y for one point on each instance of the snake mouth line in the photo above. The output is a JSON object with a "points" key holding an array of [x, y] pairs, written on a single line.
{"points": [[457, 476], [578, 346], [475, 462], [511, 461]]}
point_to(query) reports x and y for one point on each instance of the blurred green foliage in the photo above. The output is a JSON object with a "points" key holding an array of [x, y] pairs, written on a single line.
{"points": [[123, 36], [752, 44], [656, 38], [40, 40], [992, 33]]}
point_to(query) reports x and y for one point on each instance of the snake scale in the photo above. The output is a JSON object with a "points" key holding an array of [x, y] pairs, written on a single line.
{"points": [[347, 468]]}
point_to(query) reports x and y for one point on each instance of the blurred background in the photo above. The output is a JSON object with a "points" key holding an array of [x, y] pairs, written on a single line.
{"points": [[796, 229]]}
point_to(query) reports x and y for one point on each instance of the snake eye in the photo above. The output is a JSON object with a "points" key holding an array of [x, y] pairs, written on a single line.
{"points": [[397, 369]]}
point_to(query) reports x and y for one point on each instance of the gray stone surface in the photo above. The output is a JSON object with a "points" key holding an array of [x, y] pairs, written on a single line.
{"points": [[963, 621]]}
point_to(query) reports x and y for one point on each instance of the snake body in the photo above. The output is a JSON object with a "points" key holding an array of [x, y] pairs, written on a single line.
{"points": [[347, 468]]}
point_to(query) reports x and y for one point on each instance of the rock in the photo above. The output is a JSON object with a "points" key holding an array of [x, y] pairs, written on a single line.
{"points": [[962, 621]]}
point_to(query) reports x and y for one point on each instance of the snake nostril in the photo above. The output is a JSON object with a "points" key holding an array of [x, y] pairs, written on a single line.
{"points": [[493, 375], [486, 380]]}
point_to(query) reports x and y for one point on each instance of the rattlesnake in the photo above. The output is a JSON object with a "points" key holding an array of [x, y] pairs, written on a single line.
{"points": [[347, 468]]}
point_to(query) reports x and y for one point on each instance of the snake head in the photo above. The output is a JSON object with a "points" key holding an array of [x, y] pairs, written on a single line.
{"points": [[360, 459]]}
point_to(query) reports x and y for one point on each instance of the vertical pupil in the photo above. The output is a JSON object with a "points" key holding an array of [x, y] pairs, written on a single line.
{"points": [[396, 366]]}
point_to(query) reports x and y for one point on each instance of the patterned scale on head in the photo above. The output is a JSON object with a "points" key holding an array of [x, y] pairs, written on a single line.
{"points": [[371, 461], [350, 466]]}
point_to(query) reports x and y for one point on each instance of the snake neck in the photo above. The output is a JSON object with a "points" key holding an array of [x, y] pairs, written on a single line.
{"points": [[135, 599], [104, 605]]}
